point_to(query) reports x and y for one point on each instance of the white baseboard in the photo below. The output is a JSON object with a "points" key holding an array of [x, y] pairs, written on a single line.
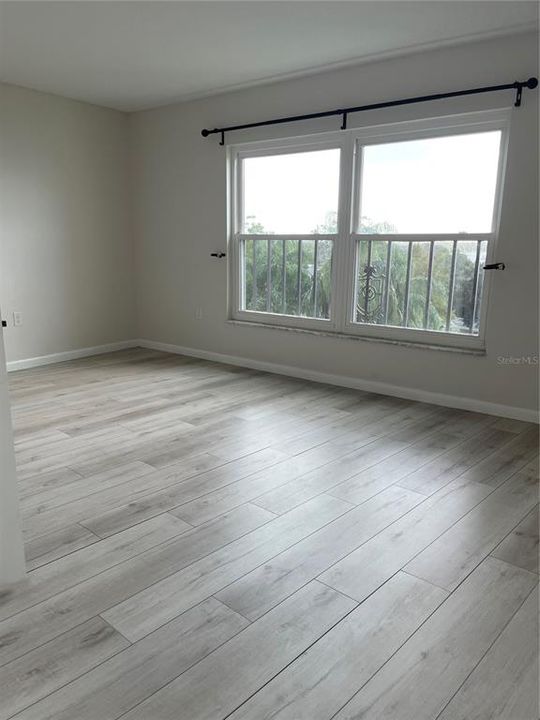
{"points": [[69, 355], [453, 401]]}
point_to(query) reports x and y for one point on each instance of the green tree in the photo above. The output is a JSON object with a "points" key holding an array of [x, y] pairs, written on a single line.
{"points": [[279, 262], [369, 227], [372, 279], [329, 226], [289, 266]]}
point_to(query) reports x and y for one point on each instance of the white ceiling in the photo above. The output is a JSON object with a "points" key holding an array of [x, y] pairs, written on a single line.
{"points": [[134, 55]]}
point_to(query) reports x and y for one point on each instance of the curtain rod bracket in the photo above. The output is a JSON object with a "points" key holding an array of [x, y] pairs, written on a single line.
{"points": [[344, 121]]}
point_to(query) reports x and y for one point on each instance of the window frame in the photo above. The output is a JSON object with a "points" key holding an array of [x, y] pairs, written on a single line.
{"points": [[343, 292], [236, 237]]}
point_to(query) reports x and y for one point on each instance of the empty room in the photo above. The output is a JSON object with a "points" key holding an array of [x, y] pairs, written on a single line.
{"points": [[269, 360]]}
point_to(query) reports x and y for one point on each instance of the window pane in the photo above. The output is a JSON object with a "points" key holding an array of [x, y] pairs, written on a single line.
{"points": [[293, 194], [436, 185], [418, 289], [479, 287], [440, 283], [371, 284], [470, 257], [426, 285], [324, 278], [277, 296], [288, 277]]}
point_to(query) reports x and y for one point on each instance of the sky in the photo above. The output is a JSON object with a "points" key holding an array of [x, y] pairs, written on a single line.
{"points": [[435, 185], [291, 193]]}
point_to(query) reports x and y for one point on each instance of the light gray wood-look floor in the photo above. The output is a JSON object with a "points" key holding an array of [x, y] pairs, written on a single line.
{"points": [[208, 542]]}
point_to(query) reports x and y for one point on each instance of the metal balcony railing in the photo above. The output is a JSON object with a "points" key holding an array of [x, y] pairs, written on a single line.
{"points": [[289, 276], [421, 284]]}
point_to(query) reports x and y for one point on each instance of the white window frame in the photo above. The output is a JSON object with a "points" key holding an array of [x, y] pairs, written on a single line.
{"points": [[343, 294], [237, 154]]}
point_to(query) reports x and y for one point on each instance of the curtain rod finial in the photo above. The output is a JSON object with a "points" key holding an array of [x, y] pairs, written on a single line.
{"points": [[205, 132], [532, 82]]}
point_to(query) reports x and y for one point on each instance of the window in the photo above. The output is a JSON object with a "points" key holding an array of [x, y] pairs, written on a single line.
{"points": [[380, 232], [288, 213]]}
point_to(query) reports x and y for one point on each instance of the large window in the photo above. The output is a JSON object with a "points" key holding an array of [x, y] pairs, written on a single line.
{"points": [[381, 232]]}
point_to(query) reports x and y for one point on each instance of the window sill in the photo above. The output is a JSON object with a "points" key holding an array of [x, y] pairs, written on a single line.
{"points": [[362, 338]]}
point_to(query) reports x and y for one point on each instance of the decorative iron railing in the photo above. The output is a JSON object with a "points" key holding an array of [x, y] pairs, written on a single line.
{"points": [[421, 284]]}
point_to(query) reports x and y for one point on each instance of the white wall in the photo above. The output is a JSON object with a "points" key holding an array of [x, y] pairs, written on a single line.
{"points": [[66, 257], [180, 217], [70, 208]]}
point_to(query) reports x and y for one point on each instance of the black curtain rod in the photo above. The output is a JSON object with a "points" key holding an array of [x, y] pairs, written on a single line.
{"points": [[531, 83]]}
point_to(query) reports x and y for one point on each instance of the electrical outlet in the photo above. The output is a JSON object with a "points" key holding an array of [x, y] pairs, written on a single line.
{"points": [[17, 319], [198, 313]]}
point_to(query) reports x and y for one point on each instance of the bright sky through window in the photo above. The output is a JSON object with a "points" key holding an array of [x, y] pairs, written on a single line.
{"points": [[292, 193], [435, 185]]}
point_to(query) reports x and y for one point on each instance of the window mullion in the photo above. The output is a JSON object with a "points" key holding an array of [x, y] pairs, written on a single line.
{"points": [[342, 270]]}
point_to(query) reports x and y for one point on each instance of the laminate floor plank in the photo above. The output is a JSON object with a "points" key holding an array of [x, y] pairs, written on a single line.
{"points": [[269, 432], [49, 498], [351, 476], [41, 671], [37, 523], [150, 504], [67, 571], [133, 675], [210, 541], [520, 547], [504, 685], [379, 420], [499, 466], [216, 501], [367, 568], [448, 560], [429, 475], [513, 426], [266, 586], [167, 449], [149, 609], [322, 458], [36, 483], [420, 679], [437, 473], [65, 453], [40, 623], [252, 658], [52, 546], [316, 685]]}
